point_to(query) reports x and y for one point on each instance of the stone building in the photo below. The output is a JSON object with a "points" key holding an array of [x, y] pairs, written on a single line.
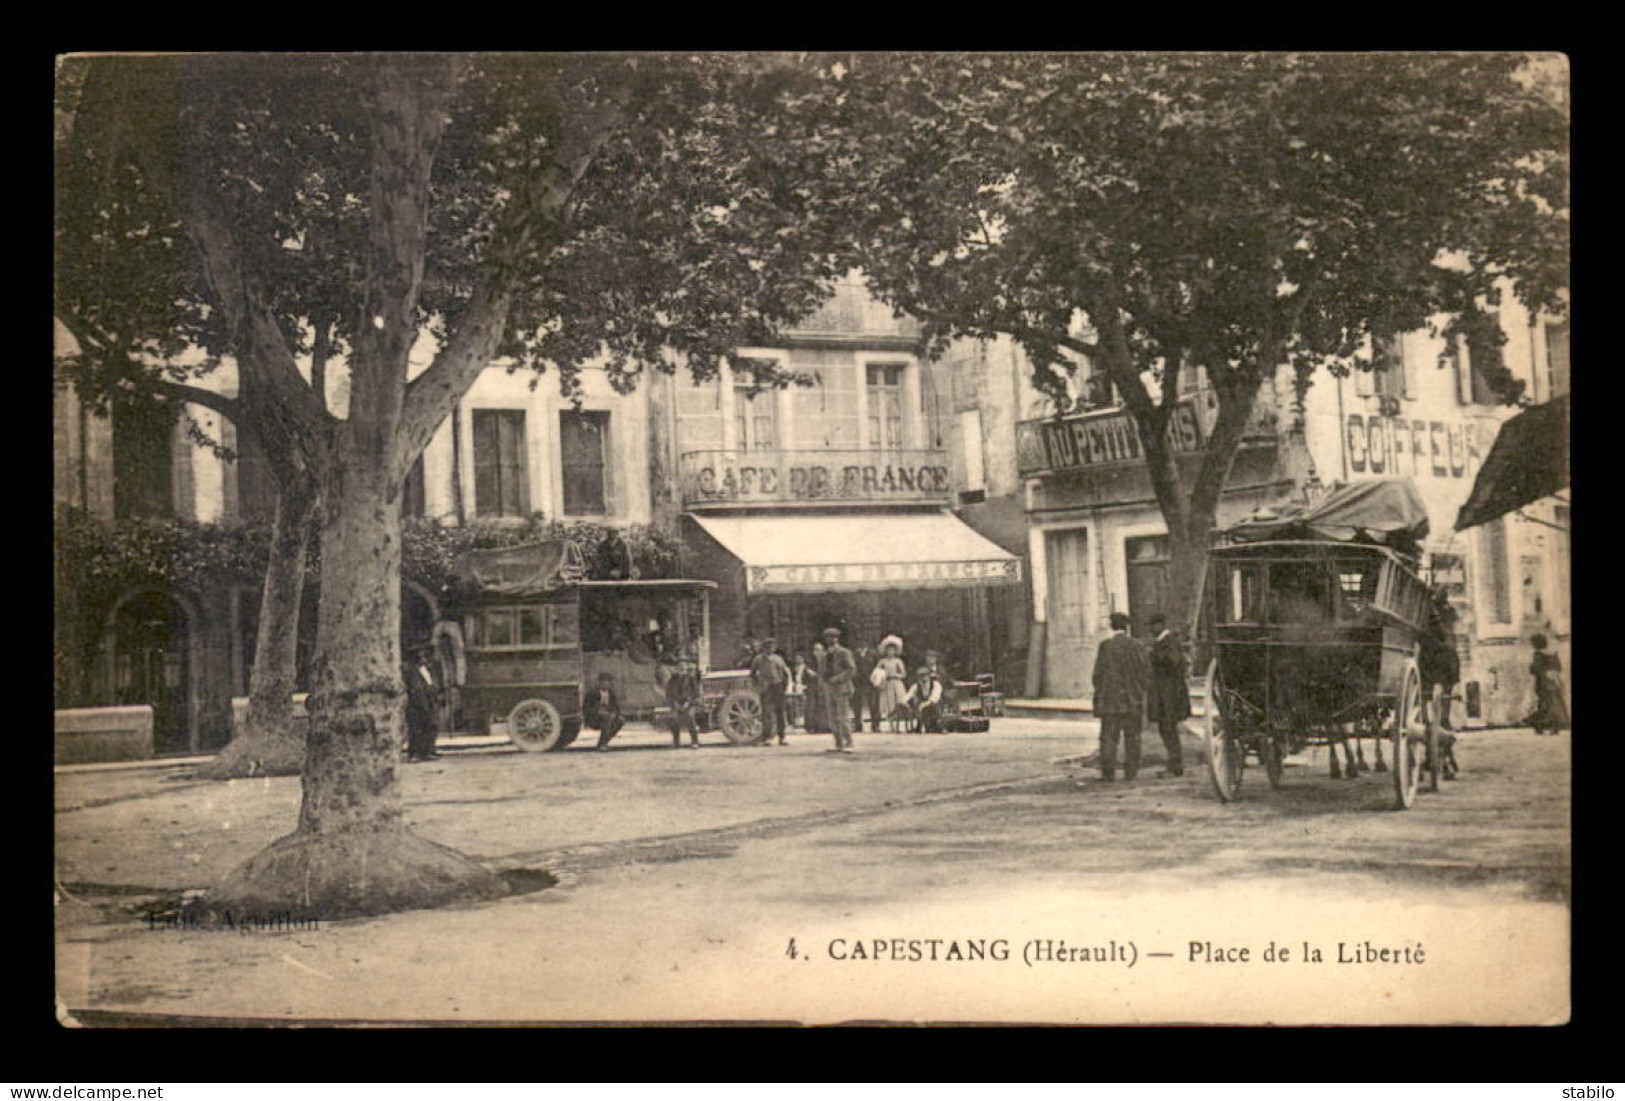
{"points": [[1098, 542]]}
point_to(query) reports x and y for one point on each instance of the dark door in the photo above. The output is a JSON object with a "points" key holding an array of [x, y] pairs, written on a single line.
{"points": [[151, 666], [1147, 580]]}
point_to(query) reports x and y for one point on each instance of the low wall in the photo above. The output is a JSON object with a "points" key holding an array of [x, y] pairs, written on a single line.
{"points": [[92, 735]]}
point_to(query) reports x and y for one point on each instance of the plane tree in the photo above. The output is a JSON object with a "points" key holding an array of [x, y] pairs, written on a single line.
{"points": [[1158, 214], [300, 212]]}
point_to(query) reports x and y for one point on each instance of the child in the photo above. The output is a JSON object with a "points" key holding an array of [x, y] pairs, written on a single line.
{"points": [[682, 695]]}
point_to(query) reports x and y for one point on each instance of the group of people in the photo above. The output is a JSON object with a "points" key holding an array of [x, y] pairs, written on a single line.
{"points": [[820, 692], [1134, 682], [881, 687]]}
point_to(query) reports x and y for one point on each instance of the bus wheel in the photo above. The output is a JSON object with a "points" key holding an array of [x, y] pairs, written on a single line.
{"points": [[535, 727]]}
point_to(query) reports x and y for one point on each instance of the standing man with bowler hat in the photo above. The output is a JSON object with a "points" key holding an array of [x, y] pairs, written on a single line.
{"points": [[839, 671], [1169, 702], [1120, 677]]}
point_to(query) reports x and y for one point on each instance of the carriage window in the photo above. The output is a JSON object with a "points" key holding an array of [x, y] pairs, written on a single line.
{"points": [[497, 627], [1243, 601], [1300, 593], [533, 626], [1356, 588]]}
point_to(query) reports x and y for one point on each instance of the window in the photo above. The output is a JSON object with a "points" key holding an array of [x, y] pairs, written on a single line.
{"points": [[1393, 379], [1486, 362], [583, 448], [1242, 598], [143, 462], [1493, 571], [1557, 358], [970, 433], [755, 418], [885, 406], [412, 497], [512, 628], [501, 487]]}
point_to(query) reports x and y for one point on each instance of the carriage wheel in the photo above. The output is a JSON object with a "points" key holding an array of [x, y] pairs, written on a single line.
{"points": [[1435, 750], [1410, 731], [739, 717], [1226, 753], [535, 727], [1272, 750]]}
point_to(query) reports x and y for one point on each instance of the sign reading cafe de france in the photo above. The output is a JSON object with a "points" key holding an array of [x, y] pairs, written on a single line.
{"points": [[722, 477]]}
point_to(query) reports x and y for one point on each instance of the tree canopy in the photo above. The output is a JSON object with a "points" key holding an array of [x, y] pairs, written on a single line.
{"points": [[1233, 212]]}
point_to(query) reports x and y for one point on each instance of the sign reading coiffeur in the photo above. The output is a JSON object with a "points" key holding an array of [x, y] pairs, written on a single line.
{"points": [[1415, 448]]}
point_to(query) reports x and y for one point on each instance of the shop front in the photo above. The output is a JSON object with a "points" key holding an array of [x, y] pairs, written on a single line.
{"points": [[923, 575]]}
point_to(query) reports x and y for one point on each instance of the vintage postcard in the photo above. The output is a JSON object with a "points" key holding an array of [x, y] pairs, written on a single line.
{"points": [[812, 538]]}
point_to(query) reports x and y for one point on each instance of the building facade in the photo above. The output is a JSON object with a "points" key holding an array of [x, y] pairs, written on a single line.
{"points": [[1098, 542], [860, 502], [811, 506]]}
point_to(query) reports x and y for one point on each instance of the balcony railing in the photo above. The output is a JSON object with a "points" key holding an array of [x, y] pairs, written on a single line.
{"points": [[734, 479]]}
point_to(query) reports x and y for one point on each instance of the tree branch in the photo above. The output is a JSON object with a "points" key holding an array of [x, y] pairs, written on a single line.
{"points": [[431, 396]]}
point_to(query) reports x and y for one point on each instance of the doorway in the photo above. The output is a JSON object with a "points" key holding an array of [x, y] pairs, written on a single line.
{"points": [[1067, 568], [150, 645], [1147, 580]]}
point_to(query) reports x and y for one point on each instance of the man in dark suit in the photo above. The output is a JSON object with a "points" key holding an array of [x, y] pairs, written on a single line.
{"points": [[602, 710], [866, 697], [839, 671], [1169, 701], [422, 705], [1120, 677]]}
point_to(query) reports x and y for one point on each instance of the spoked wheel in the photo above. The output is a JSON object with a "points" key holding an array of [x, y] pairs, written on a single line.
{"points": [[1226, 753], [1272, 749], [535, 727], [1410, 724], [739, 717]]}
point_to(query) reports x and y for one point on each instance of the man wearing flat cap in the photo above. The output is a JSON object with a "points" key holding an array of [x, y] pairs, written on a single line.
{"points": [[838, 670], [1120, 678]]}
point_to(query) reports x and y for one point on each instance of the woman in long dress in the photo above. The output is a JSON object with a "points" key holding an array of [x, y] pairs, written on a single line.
{"points": [[817, 699], [1551, 710], [893, 690]]}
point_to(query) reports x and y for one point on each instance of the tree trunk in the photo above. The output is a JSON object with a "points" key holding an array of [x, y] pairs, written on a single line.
{"points": [[351, 853], [1192, 512], [268, 744]]}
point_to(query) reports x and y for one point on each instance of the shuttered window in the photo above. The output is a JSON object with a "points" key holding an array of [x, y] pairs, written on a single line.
{"points": [[584, 448], [500, 483]]}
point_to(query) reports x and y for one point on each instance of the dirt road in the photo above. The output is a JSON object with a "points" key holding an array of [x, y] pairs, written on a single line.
{"points": [[935, 879]]}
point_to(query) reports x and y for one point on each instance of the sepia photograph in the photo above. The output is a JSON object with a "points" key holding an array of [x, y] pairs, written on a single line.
{"points": [[811, 538]]}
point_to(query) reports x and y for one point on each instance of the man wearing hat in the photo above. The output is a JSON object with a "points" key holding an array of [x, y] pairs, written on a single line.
{"points": [[772, 676], [838, 671], [1120, 676], [1169, 701]]}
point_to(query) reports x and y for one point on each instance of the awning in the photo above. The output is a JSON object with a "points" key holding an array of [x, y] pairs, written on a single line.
{"points": [[1530, 460], [818, 553]]}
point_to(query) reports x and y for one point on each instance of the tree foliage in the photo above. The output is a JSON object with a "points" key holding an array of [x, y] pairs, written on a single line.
{"points": [[1158, 213]]}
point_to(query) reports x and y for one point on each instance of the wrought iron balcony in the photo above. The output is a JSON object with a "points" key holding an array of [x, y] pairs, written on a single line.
{"points": [[779, 478]]}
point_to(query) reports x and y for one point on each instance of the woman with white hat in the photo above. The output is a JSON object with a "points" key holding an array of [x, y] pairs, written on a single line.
{"points": [[890, 677]]}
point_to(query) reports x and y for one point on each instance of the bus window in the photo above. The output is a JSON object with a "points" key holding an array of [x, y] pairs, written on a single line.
{"points": [[533, 626]]}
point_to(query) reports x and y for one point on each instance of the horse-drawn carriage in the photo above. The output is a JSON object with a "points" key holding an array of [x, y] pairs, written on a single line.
{"points": [[540, 634], [1312, 620]]}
